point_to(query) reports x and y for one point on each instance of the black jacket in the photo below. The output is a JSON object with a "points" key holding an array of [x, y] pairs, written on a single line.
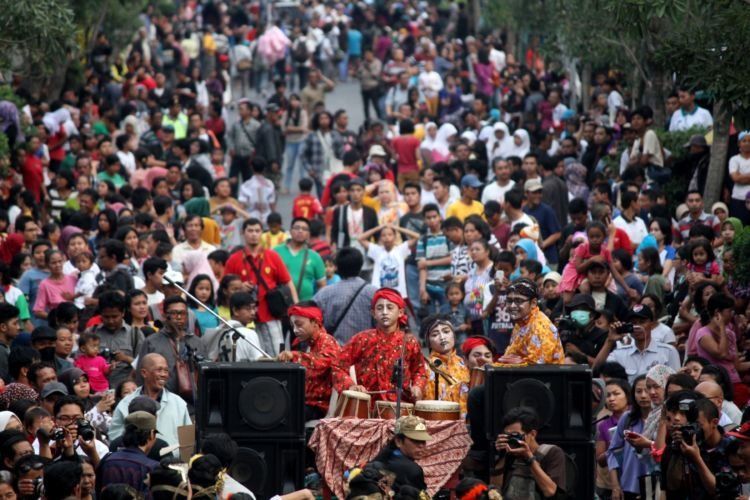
{"points": [[340, 227]]}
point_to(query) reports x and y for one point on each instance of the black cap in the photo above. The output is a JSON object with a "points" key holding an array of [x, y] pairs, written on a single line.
{"points": [[582, 300], [640, 311], [43, 333]]}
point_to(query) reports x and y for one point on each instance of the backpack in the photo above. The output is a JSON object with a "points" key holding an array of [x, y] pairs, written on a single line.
{"points": [[300, 53]]}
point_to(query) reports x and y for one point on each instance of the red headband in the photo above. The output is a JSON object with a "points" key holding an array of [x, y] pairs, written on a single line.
{"points": [[475, 492], [312, 313], [472, 342], [391, 295]]}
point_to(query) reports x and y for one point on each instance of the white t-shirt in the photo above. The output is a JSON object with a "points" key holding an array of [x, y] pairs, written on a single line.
{"points": [[127, 160], [662, 333], [388, 268], [155, 298], [496, 192], [636, 229], [740, 165], [258, 194], [700, 117]]}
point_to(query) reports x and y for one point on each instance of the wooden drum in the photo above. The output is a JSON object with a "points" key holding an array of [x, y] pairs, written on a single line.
{"points": [[437, 410], [387, 409], [353, 404], [477, 377]]}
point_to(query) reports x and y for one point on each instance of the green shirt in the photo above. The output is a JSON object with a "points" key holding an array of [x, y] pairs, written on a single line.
{"points": [[117, 179], [315, 269]]}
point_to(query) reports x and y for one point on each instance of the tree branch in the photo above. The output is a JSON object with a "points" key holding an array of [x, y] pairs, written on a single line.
{"points": [[629, 52]]}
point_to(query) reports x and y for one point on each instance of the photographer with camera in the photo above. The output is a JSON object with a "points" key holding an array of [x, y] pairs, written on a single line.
{"points": [[696, 450], [29, 474], [72, 433], [525, 469], [638, 351], [578, 333]]}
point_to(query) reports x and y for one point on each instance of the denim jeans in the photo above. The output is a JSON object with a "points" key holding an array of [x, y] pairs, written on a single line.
{"points": [[291, 156]]}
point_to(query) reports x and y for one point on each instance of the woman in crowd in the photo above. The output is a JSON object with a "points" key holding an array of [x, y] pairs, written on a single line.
{"points": [[618, 397], [441, 340]]}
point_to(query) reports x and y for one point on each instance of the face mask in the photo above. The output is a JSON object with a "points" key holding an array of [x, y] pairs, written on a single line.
{"points": [[581, 318]]}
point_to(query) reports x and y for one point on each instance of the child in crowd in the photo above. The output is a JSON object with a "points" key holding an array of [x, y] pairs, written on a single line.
{"points": [[142, 248], [550, 293], [584, 254], [456, 310], [318, 241], [305, 204], [331, 277], [202, 288], [218, 260], [495, 293], [622, 262], [389, 256], [275, 235], [91, 362], [230, 227], [340, 197], [86, 285], [531, 269], [702, 265]]}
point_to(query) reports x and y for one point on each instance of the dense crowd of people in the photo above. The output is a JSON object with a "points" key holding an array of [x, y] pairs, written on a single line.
{"points": [[475, 217]]}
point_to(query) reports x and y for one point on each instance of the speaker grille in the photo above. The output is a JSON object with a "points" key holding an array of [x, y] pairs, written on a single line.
{"points": [[264, 403], [531, 393], [249, 469]]}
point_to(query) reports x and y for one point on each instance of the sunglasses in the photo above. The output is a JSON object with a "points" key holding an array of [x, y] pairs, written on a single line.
{"points": [[25, 468]]}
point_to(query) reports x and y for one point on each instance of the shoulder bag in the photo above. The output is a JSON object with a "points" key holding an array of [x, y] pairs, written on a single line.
{"points": [[279, 299], [332, 331], [184, 377]]}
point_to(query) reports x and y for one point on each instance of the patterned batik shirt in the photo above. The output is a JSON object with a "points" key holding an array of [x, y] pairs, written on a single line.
{"points": [[318, 357]]}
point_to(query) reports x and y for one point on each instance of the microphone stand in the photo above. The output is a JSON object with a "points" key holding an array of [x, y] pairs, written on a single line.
{"points": [[236, 335]]}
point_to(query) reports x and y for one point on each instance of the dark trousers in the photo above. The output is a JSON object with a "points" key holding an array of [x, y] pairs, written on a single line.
{"points": [[240, 167], [371, 96]]}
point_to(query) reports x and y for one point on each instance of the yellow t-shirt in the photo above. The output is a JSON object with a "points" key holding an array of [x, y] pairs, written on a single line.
{"points": [[462, 211], [269, 240]]}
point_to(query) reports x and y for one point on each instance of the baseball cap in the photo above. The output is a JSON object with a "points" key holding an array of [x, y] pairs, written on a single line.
{"points": [[552, 276], [470, 180], [581, 299], [696, 140], [168, 128], [413, 428], [741, 433], [641, 312], [174, 276], [377, 150], [143, 404], [272, 107], [43, 333], [681, 210], [532, 185], [53, 388], [142, 420]]}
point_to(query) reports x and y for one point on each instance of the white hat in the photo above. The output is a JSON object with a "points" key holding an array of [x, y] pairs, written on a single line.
{"points": [[377, 150]]}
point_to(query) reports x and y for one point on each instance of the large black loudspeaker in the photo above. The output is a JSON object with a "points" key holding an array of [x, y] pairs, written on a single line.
{"points": [[561, 395], [249, 400], [261, 405], [581, 453]]}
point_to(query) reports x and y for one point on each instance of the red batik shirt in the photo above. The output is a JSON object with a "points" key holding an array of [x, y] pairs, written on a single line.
{"points": [[319, 359], [373, 355]]}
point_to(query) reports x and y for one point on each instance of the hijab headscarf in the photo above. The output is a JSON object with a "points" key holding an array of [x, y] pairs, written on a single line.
{"points": [[659, 374], [65, 235], [429, 142], [152, 174], [195, 263], [499, 148], [70, 378], [198, 206], [16, 392], [736, 224], [10, 246], [524, 148], [533, 252], [441, 145], [575, 177], [5, 418]]}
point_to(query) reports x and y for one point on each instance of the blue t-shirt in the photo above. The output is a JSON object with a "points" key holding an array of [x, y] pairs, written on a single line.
{"points": [[548, 225], [206, 320], [29, 285], [355, 42]]}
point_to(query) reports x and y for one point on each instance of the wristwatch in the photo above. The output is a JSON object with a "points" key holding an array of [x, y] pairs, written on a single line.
{"points": [[529, 461]]}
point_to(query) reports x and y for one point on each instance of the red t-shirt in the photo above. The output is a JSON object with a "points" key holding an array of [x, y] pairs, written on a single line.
{"points": [[272, 270], [622, 240], [33, 175], [406, 147], [307, 206]]}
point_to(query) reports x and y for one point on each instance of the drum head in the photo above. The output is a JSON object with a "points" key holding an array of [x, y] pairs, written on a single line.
{"points": [[263, 403], [532, 393]]}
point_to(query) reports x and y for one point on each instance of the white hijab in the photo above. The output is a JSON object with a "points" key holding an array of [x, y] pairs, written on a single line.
{"points": [[442, 145], [524, 148], [499, 148], [5, 417], [428, 142]]}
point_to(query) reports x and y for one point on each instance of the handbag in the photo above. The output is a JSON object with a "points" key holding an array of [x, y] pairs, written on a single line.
{"points": [[279, 299]]}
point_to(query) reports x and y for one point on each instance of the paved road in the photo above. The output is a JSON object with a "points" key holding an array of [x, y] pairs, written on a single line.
{"points": [[344, 96]]}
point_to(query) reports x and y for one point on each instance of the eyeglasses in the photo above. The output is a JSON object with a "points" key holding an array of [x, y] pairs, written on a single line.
{"points": [[25, 468], [66, 419], [516, 301], [176, 313], [300, 228]]}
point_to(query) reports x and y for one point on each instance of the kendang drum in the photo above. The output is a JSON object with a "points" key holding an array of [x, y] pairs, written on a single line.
{"points": [[437, 410], [387, 409], [477, 377], [353, 404]]}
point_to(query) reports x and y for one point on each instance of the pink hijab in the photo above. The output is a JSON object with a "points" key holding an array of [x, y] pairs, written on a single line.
{"points": [[152, 174], [195, 263]]}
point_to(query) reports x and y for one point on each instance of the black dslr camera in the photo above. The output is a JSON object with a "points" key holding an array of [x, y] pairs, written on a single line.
{"points": [[85, 430], [106, 353], [567, 329], [691, 433], [515, 439]]}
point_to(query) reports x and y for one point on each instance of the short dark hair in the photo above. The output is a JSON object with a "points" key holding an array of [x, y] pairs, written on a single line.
{"points": [[70, 399], [274, 218], [577, 206], [514, 198], [252, 221], [349, 262], [112, 299], [36, 367], [8, 312], [627, 198], [300, 219], [406, 127], [22, 356], [611, 369], [430, 207], [317, 228], [412, 185], [305, 184], [222, 446], [526, 416], [153, 264], [140, 197], [10, 438], [161, 204], [241, 299], [533, 266], [174, 299], [61, 479], [492, 207], [115, 249], [644, 112], [219, 255], [452, 223]]}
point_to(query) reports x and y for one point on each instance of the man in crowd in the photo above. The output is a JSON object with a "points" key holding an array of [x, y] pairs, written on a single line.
{"points": [[305, 266]]}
